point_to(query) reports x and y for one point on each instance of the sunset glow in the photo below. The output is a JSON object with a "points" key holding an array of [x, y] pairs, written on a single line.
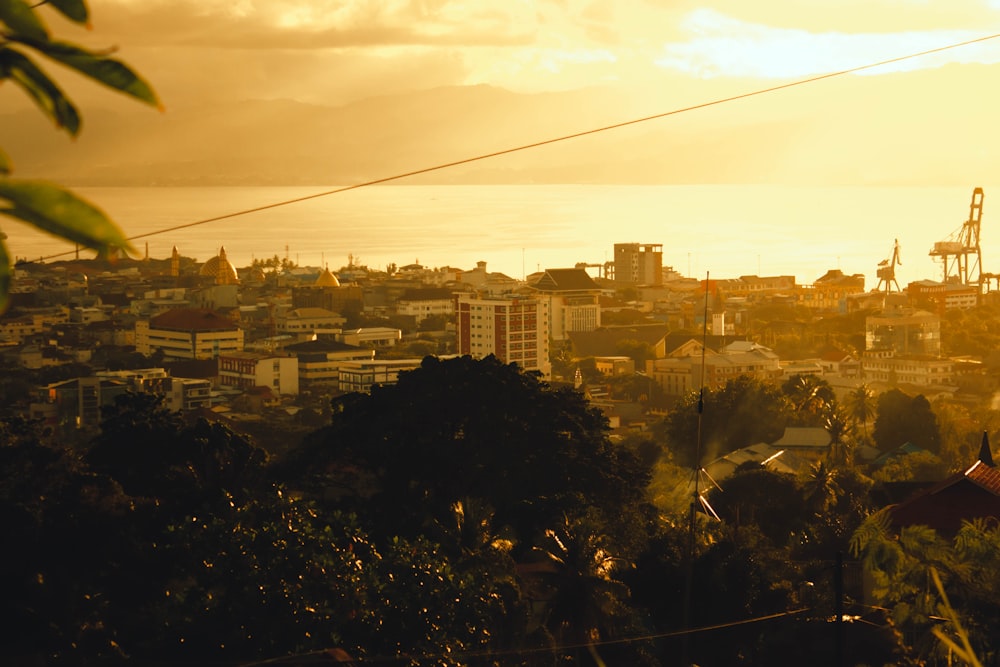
{"points": [[526, 46]]}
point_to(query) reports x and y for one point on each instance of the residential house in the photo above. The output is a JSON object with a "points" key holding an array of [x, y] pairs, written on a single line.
{"points": [[973, 493]]}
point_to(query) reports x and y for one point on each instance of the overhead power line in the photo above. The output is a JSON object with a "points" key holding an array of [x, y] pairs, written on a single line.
{"points": [[554, 140], [467, 655]]}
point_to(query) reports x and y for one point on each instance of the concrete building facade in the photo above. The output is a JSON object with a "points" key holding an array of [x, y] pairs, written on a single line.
{"points": [[638, 264], [515, 329]]}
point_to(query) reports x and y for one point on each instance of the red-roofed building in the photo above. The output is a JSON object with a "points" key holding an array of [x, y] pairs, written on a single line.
{"points": [[188, 333], [971, 494]]}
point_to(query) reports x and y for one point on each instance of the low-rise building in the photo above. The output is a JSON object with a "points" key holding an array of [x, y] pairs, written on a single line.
{"points": [[361, 376], [373, 337], [188, 333], [320, 360], [920, 370], [304, 322], [246, 370], [424, 302], [679, 375]]}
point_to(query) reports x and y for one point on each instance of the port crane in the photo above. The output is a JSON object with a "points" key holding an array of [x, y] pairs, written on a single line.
{"points": [[960, 252], [887, 271]]}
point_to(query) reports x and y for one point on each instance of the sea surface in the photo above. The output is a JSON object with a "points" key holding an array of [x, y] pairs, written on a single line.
{"points": [[721, 230]]}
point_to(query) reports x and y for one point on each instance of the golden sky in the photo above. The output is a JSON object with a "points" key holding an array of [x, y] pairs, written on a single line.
{"points": [[336, 51]]}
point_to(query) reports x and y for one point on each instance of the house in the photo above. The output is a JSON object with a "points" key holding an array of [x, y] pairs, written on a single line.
{"points": [[973, 493], [806, 442], [608, 341]]}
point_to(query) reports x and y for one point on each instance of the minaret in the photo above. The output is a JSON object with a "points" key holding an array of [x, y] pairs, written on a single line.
{"points": [[175, 263]]}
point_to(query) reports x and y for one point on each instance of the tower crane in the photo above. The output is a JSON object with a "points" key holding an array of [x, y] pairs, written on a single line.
{"points": [[960, 252], [887, 271]]}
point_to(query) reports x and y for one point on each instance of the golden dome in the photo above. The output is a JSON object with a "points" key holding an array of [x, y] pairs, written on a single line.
{"points": [[327, 279], [221, 269]]}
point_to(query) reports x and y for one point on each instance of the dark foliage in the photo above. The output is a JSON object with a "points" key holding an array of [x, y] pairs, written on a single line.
{"points": [[901, 419], [461, 428]]}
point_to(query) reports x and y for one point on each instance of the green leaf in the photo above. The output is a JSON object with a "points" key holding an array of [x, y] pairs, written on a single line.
{"points": [[74, 10], [108, 71], [40, 88], [6, 275], [22, 20], [61, 213], [4, 163]]}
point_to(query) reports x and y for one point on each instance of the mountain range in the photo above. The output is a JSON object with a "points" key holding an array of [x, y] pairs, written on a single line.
{"points": [[924, 127]]}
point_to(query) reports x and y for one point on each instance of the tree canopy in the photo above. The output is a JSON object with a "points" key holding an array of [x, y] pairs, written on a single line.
{"points": [[462, 428], [742, 412], [901, 419]]}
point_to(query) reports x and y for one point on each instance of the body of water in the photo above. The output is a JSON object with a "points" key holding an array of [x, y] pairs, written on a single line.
{"points": [[726, 230]]}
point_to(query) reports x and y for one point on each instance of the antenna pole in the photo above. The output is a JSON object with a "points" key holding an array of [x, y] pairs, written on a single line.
{"points": [[695, 498]]}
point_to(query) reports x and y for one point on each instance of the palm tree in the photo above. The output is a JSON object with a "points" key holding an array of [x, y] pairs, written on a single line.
{"points": [[821, 489], [860, 404], [836, 425], [585, 597], [811, 397]]}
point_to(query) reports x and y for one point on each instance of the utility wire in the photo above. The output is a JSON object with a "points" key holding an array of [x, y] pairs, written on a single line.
{"points": [[532, 650], [566, 137]]}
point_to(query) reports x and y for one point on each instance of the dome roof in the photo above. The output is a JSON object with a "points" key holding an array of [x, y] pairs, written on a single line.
{"points": [[221, 269], [327, 279]]}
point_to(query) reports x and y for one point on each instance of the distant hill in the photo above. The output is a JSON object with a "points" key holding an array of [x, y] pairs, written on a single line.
{"points": [[927, 127]]}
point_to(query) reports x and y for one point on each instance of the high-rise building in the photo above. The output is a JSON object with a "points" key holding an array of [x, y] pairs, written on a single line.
{"points": [[639, 263], [515, 329]]}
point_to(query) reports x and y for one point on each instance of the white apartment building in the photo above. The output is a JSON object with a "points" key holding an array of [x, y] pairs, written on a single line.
{"points": [[515, 329]]}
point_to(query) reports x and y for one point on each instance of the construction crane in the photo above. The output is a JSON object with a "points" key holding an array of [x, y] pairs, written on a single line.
{"points": [[887, 271], [960, 252]]}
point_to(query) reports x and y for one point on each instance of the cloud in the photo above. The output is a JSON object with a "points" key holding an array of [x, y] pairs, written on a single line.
{"points": [[863, 16], [335, 51], [310, 24], [721, 45]]}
